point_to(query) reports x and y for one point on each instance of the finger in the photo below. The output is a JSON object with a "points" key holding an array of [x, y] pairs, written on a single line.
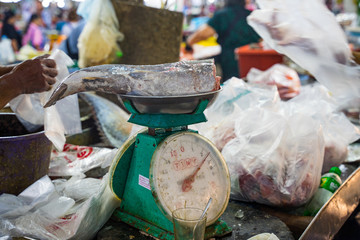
{"points": [[50, 80], [52, 72], [49, 63], [42, 56], [43, 88], [48, 88]]}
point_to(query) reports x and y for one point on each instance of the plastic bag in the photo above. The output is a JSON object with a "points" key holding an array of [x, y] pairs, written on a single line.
{"points": [[236, 96], [98, 42], [264, 236], [308, 33], [274, 154], [7, 54], [76, 160], [284, 78], [267, 154], [77, 187], [84, 9], [45, 212], [338, 131], [58, 120]]}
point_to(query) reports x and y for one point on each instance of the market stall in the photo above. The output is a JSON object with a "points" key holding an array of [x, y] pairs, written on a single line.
{"points": [[248, 157]]}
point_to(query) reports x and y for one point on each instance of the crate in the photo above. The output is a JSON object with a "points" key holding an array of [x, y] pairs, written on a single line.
{"points": [[249, 57]]}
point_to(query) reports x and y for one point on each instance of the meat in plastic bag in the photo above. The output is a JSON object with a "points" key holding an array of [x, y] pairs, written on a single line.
{"points": [[272, 161], [284, 78], [276, 150], [235, 96], [274, 154], [308, 33], [338, 131]]}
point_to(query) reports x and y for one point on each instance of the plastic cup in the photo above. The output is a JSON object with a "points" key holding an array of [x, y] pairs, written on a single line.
{"points": [[185, 220]]}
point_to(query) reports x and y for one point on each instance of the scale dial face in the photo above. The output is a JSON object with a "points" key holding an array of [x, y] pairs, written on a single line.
{"points": [[186, 170]]}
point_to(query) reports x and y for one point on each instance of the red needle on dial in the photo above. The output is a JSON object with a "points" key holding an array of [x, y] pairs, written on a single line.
{"points": [[186, 186]]}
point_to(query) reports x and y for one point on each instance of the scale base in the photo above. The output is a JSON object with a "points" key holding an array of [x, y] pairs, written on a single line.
{"points": [[218, 229]]}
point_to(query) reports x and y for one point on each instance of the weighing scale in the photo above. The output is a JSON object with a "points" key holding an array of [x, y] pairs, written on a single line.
{"points": [[169, 166]]}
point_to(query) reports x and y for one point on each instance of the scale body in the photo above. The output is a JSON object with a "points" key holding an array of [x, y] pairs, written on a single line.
{"points": [[132, 177]]}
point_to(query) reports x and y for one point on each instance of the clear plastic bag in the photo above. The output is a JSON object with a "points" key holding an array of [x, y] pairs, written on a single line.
{"points": [[7, 54], [284, 78], [235, 97], [59, 119], [76, 160], [98, 42], [308, 33], [46, 210], [274, 153], [338, 131], [272, 161]]}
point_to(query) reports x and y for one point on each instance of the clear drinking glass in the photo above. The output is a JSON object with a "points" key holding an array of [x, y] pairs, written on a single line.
{"points": [[188, 225]]}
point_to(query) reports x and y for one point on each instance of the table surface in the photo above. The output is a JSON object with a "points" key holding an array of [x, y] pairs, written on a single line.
{"points": [[250, 221]]}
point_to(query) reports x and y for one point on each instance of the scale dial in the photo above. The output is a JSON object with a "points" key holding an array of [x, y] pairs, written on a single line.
{"points": [[185, 171]]}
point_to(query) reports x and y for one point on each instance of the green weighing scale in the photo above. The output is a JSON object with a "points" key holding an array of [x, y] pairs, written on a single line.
{"points": [[169, 166]]}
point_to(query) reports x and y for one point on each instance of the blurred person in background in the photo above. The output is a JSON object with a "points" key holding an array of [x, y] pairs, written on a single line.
{"points": [[33, 34], [71, 24], [233, 31], [9, 31], [60, 21], [30, 76], [69, 45]]}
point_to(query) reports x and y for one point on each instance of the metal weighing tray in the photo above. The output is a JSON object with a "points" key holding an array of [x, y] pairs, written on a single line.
{"points": [[183, 104]]}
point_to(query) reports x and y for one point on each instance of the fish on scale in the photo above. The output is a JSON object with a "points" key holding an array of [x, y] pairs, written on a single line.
{"points": [[169, 79]]}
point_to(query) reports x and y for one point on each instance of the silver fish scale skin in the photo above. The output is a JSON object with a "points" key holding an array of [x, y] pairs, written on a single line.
{"points": [[170, 79], [111, 121], [169, 83]]}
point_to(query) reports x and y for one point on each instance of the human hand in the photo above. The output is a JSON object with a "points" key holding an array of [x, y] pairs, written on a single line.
{"points": [[35, 75]]}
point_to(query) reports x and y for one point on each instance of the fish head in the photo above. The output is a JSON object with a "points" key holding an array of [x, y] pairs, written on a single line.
{"points": [[58, 94]]}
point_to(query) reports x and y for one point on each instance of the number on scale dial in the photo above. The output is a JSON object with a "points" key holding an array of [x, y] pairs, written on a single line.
{"points": [[186, 170]]}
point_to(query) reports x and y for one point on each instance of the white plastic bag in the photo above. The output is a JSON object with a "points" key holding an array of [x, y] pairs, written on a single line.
{"points": [[264, 236], [58, 120], [236, 96], [7, 54], [276, 151], [284, 78], [274, 160], [76, 160], [308, 33], [47, 211], [84, 9], [98, 42], [274, 155], [338, 131]]}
